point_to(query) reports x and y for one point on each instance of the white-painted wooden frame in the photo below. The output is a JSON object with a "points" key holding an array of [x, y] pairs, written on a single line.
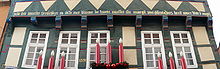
{"points": [[161, 45], [89, 45], [44, 45], [183, 45], [68, 46]]}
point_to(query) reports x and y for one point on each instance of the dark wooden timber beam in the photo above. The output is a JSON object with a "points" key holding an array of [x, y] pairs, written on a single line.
{"points": [[165, 23], [188, 23], [138, 21], [209, 23], [110, 21], [58, 23], [84, 22]]}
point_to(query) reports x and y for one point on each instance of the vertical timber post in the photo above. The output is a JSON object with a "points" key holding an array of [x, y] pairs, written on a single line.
{"points": [[58, 23], [83, 43], [138, 25], [166, 38], [84, 23]]}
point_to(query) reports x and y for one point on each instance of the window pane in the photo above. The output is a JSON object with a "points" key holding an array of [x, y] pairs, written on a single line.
{"points": [[42, 35], [73, 35], [72, 50], [176, 36], [71, 64], [187, 49], [149, 56], [41, 40], [103, 57], [65, 35], [179, 62], [150, 64], [103, 41], [31, 49], [93, 41], [28, 62], [39, 49], [178, 49], [34, 35], [30, 55], [92, 50], [60, 56], [92, 56], [64, 41], [33, 40], [92, 61], [178, 55], [103, 35], [35, 62], [177, 40], [94, 35], [184, 35], [103, 50], [188, 55], [71, 56], [190, 62], [37, 55], [148, 50], [156, 57], [156, 41], [156, 50], [155, 35], [147, 41], [185, 41], [59, 63], [63, 50], [156, 63], [147, 36], [73, 41]]}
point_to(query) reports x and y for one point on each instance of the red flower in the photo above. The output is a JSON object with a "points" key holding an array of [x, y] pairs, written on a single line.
{"points": [[108, 66], [113, 66], [117, 64]]}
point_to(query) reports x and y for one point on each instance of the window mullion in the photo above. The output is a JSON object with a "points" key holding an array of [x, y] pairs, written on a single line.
{"points": [[154, 60], [67, 56], [38, 37], [69, 35], [35, 52], [181, 39], [98, 36], [151, 34]]}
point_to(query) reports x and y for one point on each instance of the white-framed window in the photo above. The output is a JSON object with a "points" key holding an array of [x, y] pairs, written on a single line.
{"points": [[181, 41], [103, 36], [37, 41], [69, 42], [152, 43]]}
